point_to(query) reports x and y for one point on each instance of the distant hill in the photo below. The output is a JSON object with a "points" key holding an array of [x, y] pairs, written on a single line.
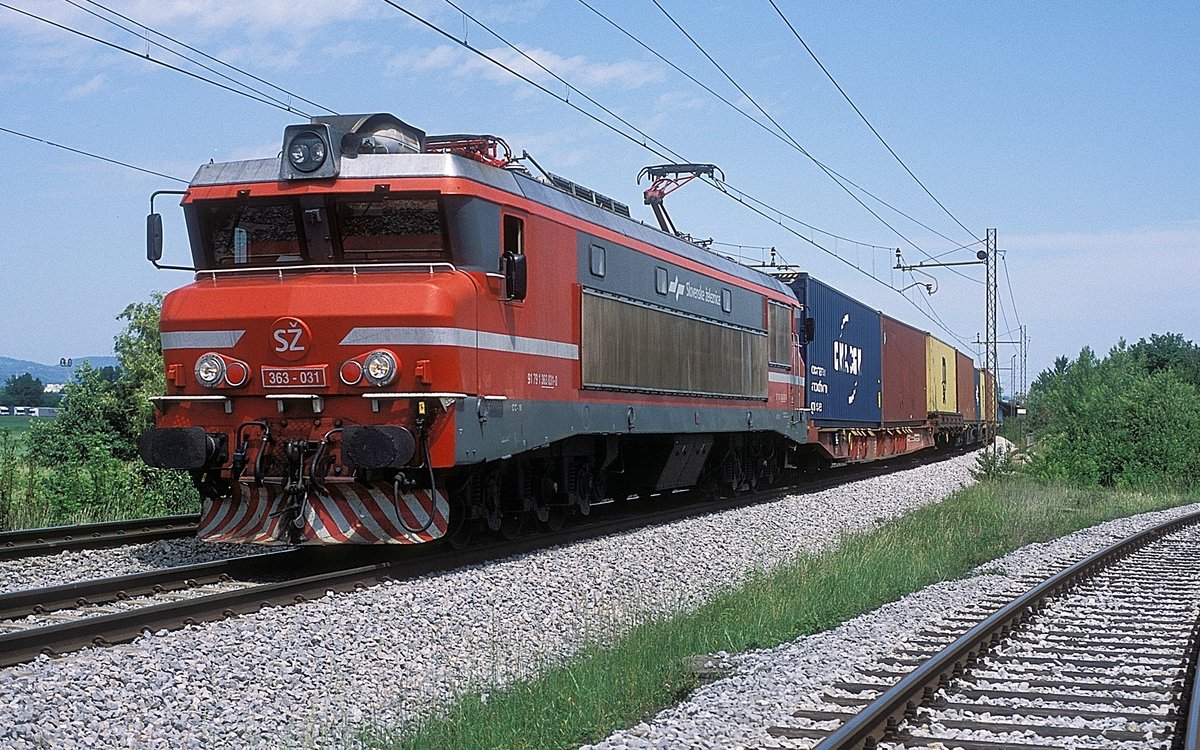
{"points": [[48, 373]]}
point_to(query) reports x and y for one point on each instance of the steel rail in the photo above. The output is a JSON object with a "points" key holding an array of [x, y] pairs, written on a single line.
{"points": [[105, 630], [406, 562], [874, 723], [1190, 731], [49, 541], [18, 604]]}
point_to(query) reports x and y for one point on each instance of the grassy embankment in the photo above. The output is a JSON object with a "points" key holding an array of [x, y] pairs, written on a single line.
{"points": [[606, 688], [100, 489]]}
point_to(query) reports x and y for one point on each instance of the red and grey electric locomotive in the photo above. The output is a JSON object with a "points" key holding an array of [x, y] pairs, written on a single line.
{"points": [[393, 337]]}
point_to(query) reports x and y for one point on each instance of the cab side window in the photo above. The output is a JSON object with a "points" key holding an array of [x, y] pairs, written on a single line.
{"points": [[514, 235], [512, 260]]}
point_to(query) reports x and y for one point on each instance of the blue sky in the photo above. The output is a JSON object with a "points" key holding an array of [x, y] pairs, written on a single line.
{"points": [[1071, 128]]}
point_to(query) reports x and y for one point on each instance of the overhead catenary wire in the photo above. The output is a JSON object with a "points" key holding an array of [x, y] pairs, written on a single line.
{"points": [[162, 63], [609, 111], [89, 154], [790, 138], [758, 123], [1008, 281], [712, 181], [864, 117], [660, 151], [194, 50]]}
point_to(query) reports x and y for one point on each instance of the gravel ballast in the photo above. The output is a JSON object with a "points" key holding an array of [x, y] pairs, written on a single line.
{"points": [[765, 687], [317, 672], [87, 564]]}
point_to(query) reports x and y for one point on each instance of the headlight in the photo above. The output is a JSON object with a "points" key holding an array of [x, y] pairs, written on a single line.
{"points": [[379, 367], [307, 152], [210, 370]]}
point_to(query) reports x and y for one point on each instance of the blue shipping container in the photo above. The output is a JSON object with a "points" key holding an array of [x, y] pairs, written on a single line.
{"points": [[843, 356]]}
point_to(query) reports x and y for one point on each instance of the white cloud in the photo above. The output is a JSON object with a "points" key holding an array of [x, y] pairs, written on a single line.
{"points": [[669, 104], [263, 56], [348, 48], [259, 18], [442, 57], [533, 64], [96, 83]]}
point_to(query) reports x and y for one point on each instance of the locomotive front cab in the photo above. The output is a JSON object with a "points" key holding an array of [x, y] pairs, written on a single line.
{"points": [[317, 365]]}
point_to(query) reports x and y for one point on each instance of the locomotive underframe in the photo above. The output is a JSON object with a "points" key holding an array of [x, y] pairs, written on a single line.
{"points": [[503, 461]]}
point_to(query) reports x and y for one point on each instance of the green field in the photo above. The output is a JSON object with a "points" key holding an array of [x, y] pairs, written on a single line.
{"points": [[16, 426]]}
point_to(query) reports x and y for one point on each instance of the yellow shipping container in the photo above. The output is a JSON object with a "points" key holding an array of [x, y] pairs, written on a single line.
{"points": [[940, 381]]}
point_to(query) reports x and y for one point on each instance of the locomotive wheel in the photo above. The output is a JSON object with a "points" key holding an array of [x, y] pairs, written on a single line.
{"points": [[459, 532], [585, 489], [494, 520], [489, 503]]}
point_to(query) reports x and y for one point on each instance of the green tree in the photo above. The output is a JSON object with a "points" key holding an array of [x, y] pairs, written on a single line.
{"points": [[139, 348], [1169, 351], [110, 373], [94, 422], [103, 416], [23, 390]]}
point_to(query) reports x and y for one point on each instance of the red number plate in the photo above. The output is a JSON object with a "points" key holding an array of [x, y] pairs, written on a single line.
{"points": [[294, 377]]}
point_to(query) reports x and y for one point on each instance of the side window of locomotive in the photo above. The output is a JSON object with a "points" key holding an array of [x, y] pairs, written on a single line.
{"points": [[514, 235], [242, 234], [598, 260], [392, 229], [513, 264]]}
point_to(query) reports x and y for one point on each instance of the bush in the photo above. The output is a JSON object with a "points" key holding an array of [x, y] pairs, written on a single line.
{"points": [[1131, 419], [83, 465], [994, 464]]}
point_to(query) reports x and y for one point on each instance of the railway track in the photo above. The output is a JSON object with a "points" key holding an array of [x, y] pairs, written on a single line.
{"points": [[31, 542], [60, 619], [1102, 654]]}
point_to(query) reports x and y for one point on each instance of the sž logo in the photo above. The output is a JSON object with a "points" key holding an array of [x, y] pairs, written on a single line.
{"points": [[290, 339]]}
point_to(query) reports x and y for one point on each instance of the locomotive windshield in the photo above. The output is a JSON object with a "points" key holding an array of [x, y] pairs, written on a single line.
{"points": [[405, 229], [253, 234], [340, 229]]}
